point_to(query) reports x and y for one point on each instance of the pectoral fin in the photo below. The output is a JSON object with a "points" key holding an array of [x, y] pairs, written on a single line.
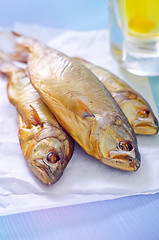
{"points": [[34, 117], [80, 108]]}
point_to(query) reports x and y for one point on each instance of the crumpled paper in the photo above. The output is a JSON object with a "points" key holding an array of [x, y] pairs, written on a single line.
{"points": [[85, 178]]}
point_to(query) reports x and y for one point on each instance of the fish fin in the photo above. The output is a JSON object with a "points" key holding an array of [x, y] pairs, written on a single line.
{"points": [[16, 34], [80, 59], [81, 109], [7, 66], [26, 134], [27, 71], [20, 54], [4, 63], [22, 123], [34, 118]]}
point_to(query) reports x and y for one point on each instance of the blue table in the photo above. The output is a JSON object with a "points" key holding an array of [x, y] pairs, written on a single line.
{"points": [[125, 218]]}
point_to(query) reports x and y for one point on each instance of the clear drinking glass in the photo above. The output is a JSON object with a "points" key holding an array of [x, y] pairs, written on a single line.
{"points": [[134, 35]]}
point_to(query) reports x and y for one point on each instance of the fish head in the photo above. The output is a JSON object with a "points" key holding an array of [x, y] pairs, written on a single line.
{"points": [[117, 145], [48, 154], [145, 123], [138, 111]]}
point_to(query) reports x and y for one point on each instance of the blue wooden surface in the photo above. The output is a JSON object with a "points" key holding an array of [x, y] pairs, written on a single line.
{"points": [[130, 218]]}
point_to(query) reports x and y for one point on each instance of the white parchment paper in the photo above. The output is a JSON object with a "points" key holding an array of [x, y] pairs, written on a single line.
{"points": [[85, 178]]}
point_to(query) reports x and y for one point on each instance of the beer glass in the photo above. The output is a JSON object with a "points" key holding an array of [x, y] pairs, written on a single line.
{"points": [[134, 35]]}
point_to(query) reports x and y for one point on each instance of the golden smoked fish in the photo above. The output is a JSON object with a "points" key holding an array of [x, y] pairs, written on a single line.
{"points": [[82, 105], [135, 107], [45, 144]]}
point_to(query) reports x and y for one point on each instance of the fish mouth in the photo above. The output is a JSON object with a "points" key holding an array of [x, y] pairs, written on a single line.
{"points": [[146, 128], [122, 161], [47, 173]]}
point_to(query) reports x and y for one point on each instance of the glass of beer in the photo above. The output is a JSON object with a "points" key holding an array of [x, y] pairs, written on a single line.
{"points": [[134, 35]]}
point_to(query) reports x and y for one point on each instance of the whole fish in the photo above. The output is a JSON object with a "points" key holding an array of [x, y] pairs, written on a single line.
{"points": [[82, 105], [135, 107], [45, 144]]}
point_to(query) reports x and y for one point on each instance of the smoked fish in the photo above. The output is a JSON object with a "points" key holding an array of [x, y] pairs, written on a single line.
{"points": [[46, 146], [82, 105], [135, 107]]}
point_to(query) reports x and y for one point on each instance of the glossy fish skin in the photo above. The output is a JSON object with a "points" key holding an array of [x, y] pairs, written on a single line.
{"points": [[135, 107], [45, 144], [82, 106]]}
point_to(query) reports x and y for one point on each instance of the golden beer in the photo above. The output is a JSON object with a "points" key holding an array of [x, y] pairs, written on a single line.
{"points": [[140, 18], [134, 35]]}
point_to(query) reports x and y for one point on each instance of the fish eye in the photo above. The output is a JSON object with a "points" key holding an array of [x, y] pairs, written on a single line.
{"points": [[143, 113], [52, 157], [125, 146]]}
